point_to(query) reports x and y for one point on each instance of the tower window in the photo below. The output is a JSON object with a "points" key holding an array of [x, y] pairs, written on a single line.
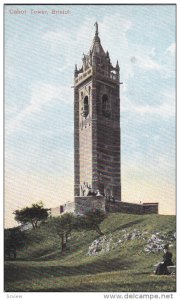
{"points": [[85, 107], [105, 106]]}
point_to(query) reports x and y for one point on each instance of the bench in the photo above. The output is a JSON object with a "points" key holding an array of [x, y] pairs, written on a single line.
{"points": [[171, 269]]}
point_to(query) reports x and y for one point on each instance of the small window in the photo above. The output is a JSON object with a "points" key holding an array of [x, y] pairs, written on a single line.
{"points": [[61, 209], [85, 107], [105, 106]]}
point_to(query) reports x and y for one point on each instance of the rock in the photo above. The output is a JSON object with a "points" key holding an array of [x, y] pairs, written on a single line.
{"points": [[102, 245], [154, 244], [157, 242]]}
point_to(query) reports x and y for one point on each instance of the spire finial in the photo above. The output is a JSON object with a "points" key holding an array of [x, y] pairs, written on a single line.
{"points": [[117, 65], [75, 71], [96, 25]]}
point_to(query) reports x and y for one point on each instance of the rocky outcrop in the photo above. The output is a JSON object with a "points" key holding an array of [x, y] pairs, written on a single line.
{"points": [[153, 242]]}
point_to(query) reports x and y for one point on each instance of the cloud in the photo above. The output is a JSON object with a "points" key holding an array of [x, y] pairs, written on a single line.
{"points": [[147, 63], [69, 43], [168, 62], [58, 40], [113, 31], [165, 109], [146, 60], [41, 95], [63, 42], [171, 49], [133, 55]]}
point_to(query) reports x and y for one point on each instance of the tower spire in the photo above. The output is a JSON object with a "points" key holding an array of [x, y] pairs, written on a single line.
{"points": [[96, 47], [96, 25], [117, 65], [75, 70]]}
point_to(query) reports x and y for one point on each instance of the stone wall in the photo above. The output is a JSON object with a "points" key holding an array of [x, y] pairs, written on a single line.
{"points": [[69, 207], [83, 204], [108, 140], [132, 208], [150, 208], [64, 208]]}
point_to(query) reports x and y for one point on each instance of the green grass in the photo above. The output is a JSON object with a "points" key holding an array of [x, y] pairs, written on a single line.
{"points": [[43, 267]]}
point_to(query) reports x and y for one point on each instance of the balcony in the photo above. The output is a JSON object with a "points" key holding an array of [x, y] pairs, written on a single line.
{"points": [[113, 76], [83, 76]]}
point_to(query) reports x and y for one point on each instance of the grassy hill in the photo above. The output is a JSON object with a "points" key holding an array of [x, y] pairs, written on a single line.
{"points": [[126, 267]]}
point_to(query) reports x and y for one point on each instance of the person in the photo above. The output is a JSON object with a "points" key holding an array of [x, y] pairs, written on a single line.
{"points": [[167, 261]]}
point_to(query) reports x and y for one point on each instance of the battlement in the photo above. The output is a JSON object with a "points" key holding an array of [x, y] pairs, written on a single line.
{"points": [[110, 75], [99, 72], [83, 76]]}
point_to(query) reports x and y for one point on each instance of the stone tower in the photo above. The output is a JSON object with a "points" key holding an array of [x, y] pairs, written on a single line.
{"points": [[97, 125]]}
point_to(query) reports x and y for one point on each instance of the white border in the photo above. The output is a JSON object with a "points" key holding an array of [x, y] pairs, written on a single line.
{"points": [[74, 296], [90, 2]]}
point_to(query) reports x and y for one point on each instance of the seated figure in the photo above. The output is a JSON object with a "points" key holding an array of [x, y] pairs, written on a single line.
{"points": [[167, 261]]}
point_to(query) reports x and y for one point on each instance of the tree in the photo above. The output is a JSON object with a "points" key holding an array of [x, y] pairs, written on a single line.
{"points": [[94, 219], [32, 214], [90, 221], [14, 239], [63, 226]]}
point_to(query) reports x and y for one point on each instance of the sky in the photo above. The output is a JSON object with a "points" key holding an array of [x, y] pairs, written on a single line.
{"points": [[41, 51]]}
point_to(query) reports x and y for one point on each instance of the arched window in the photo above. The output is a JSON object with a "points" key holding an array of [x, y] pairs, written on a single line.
{"points": [[105, 106], [85, 107]]}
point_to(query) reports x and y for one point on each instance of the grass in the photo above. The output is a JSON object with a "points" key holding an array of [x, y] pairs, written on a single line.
{"points": [[43, 267]]}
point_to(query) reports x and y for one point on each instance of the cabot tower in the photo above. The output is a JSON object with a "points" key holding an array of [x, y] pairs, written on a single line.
{"points": [[97, 152]]}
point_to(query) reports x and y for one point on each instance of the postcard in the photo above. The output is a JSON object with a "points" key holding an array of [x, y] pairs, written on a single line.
{"points": [[90, 148]]}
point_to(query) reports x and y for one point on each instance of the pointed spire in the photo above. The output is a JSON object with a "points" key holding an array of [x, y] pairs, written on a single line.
{"points": [[90, 57], [107, 54], [75, 70], [96, 47], [117, 65], [96, 25]]}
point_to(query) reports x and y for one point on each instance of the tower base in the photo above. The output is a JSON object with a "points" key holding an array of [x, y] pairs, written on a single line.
{"points": [[86, 203]]}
